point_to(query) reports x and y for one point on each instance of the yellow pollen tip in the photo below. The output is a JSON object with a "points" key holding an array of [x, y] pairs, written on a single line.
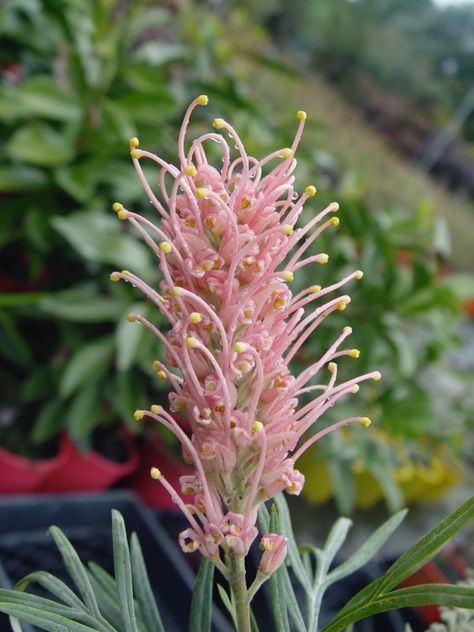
{"points": [[355, 388], [301, 115], [365, 421], [334, 207], [286, 153], [347, 330], [195, 317], [218, 123], [116, 207], [314, 288], [334, 221], [190, 170], [156, 408], [257, 426], [287, 276], [191, 342], [377, 376], [155, 473], [138, 415], [122, 214], [133, 142], [136, 154], [323, 258], [332, 367], [161, 374], [310, 190], [354, 353], [114, 276], [245, 203], [287, 229], [165, 247], [177, 291], [131, 317], [201, 193], [202, 99], [358, 275], [239, 347]]}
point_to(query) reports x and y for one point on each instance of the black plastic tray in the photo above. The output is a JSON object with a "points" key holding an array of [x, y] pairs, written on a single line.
{"points": [[25, 546]]}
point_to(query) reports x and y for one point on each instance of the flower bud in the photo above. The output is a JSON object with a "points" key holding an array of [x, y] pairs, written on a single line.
{"points": [[274, 547]]}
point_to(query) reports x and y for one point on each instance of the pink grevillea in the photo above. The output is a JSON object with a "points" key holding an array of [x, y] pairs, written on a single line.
{"points": [[228, 247]]}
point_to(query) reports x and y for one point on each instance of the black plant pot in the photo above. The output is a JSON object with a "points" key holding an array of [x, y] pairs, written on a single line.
{"points": [[25, 546]]}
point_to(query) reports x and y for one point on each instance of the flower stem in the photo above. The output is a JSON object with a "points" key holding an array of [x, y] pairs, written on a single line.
{"points": [[239, 591]]}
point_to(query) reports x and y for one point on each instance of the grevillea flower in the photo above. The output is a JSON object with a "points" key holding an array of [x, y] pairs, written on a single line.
{"points": [[228, 248]]}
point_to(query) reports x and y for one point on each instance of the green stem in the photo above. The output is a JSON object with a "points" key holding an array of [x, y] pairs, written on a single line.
{"points": [[239, 591]]}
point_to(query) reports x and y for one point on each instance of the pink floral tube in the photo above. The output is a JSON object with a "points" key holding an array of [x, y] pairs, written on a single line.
{"points": [[228, 248]]}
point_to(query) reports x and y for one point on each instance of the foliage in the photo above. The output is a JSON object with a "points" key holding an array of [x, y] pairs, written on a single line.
{"points": [[126, 602]]}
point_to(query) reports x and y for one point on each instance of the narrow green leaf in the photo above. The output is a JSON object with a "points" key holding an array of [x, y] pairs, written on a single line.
{"points": [[227, 603], [279, 608], [142, 589], [53, 585], [368, 549], [128, 337], [47, 621], [427, 547], [336, 538], [84, 410], [41, 145], [293, 554], [201, 605], [82, 306], [253, 623], [123, 572], [425, 594], [106, 595], [291, 601], [76, 570]]}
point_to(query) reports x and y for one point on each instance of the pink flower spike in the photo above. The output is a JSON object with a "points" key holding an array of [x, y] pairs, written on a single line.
{"points": [[228, 248]]}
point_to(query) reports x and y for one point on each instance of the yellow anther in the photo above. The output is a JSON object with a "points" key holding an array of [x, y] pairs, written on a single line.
{"points": [[218, 123], [201, 192], [156, 409], [155, 473], [131, 317], [114, 276], [287, 276], [314, 288], [287, 229], [125, 272], [122, 214], [195, 317], [341, 306], [377, 376], [190, 170], [202, 99], [133, 142], [301, 115], [365, 421], [334, 207], [310, 190], [286, 152], [347, 330], [177, 291], [245, 203], [354, 353], [136, 153], [166, 247], [332, 367], [239, 347], [116, 207], [257, 426], [358, 274], [323, 258], [334, 221], [355, 388], [138, 415], [161, 374], [191, 342]]}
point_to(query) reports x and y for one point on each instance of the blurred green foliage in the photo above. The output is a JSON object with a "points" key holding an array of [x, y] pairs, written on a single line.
{"points": [[109, 70]]}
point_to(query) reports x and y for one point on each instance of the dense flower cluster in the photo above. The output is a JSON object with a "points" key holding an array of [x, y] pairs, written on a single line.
{"points": [[228, 248]]}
